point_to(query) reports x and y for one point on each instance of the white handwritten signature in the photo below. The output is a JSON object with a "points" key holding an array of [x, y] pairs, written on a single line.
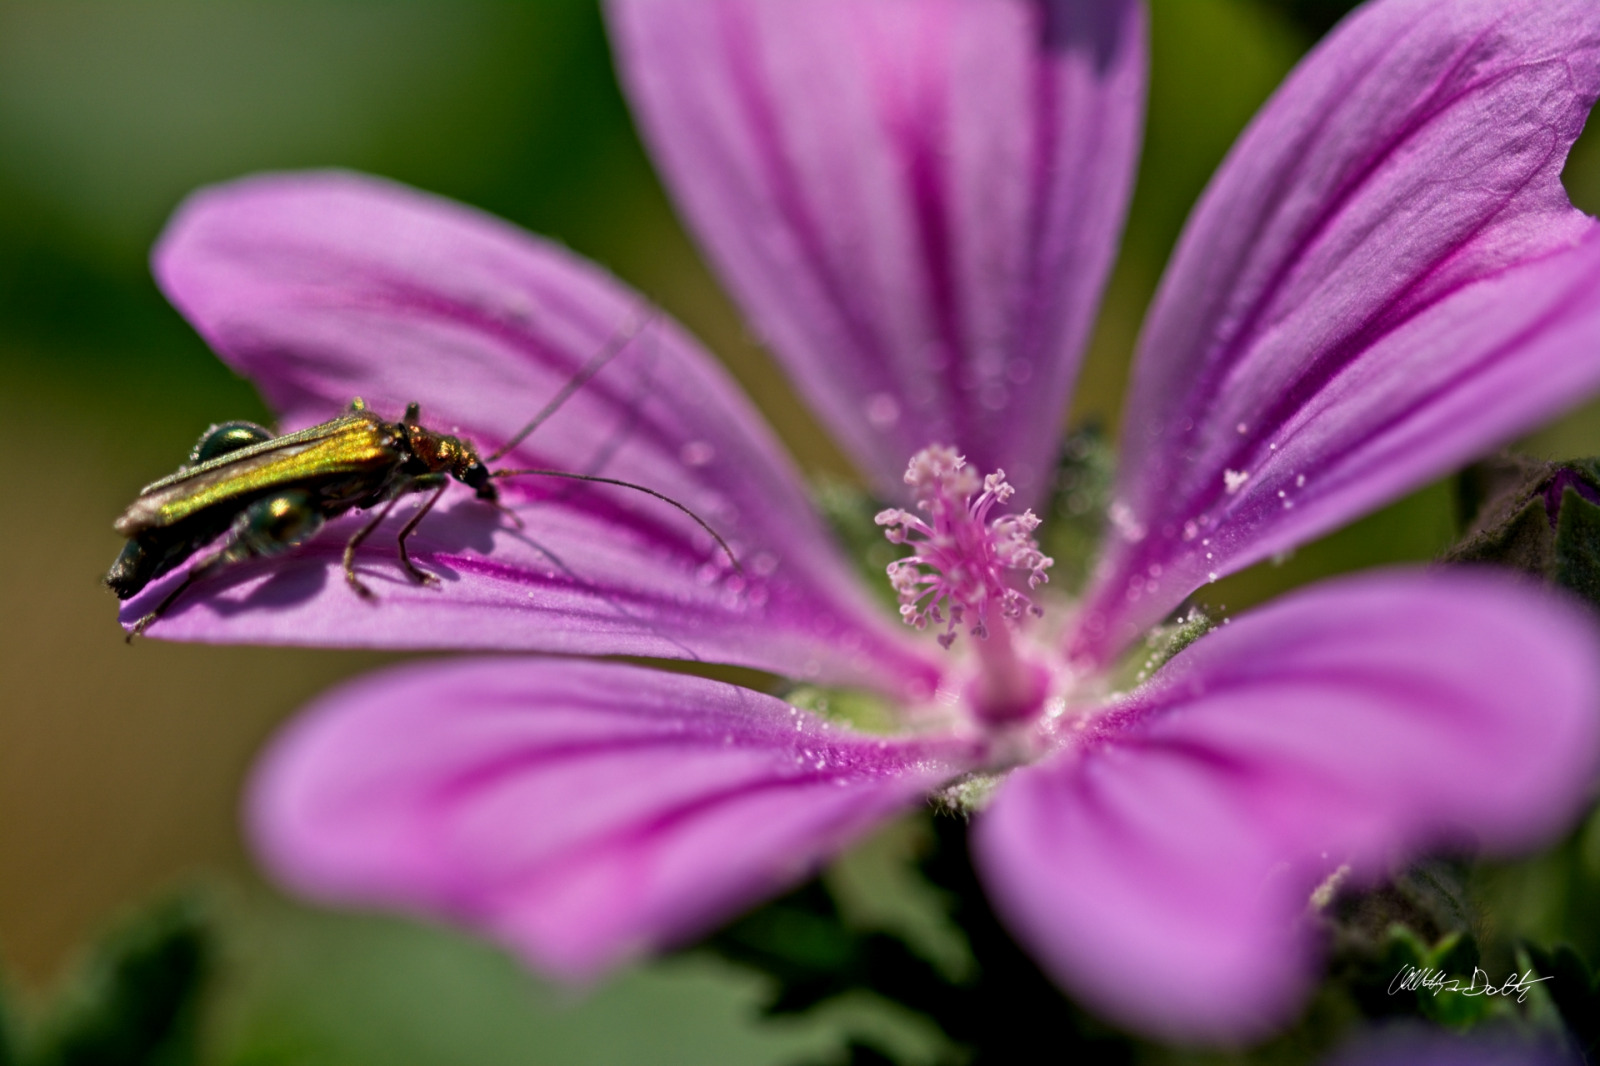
{"points": [[1417, 979]]}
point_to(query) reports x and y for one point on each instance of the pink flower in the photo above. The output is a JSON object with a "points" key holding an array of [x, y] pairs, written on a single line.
{"points": [[916, 202]]}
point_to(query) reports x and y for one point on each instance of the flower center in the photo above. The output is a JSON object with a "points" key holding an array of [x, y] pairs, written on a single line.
{"points": [[962, 573]]}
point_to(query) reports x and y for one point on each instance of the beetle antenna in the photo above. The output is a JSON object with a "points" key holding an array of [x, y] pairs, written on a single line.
{"points": [[596, 363], [701, 522]]}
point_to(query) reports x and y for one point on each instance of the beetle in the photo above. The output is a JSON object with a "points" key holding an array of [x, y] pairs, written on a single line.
{"points": [[263, 493]]}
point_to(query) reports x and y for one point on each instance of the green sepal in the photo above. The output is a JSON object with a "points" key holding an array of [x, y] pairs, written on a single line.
{"points": [[1577, 546], [137, 1000], [1161, 645], [1514, 522], [1522, 540], [967, 795]]}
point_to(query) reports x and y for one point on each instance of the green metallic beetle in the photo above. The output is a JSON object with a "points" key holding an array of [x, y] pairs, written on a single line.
{"points": [[262, 494], [270, 493]]}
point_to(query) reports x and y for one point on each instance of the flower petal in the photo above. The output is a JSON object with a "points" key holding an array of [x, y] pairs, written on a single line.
{"points": [[323, 286], [1384, 279], [577, 812], [916, 202], [1161, 867]]}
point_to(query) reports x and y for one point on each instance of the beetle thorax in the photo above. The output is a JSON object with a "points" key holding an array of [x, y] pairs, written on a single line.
{"points": [[438, 452]]}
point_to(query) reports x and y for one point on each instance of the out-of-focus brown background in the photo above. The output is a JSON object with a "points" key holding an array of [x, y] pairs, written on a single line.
{"points": [[120, 765]]}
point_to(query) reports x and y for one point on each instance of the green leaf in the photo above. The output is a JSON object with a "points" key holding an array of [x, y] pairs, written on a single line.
{"points": [[1397, 948], [1002, 1009], [1538, 1004], [137, 1001], [1573, 989], [1457, 958]]}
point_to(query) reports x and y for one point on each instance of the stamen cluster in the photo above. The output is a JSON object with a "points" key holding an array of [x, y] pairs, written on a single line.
{"points": [[958, 571]]}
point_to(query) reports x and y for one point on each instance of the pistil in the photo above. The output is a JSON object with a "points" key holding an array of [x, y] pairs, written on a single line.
{"points": [[958, 576]]}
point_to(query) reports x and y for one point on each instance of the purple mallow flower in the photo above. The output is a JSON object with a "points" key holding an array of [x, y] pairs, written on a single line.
{"points": [[916, 202]]}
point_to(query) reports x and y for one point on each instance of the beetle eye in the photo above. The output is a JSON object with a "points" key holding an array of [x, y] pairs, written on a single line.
{"points": [[475, 476], [225, 437]]}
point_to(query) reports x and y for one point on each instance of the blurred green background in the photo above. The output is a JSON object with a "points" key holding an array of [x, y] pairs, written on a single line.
{"points": [[120, 766]]}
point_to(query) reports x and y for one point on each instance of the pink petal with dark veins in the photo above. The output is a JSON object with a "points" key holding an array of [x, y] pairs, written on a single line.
{"points": [[324, 286], [579, 813], [1384, 280], [915, 201], [1161, 868]]}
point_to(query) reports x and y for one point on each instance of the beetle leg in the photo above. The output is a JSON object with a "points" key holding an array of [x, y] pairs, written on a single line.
{"points": [[210, 566], [421, 577], [266, 527], [217, 562], [355, 542]]}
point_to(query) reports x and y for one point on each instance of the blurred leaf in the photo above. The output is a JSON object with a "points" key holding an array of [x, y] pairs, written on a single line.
{"points": [[137, 1002], [850, 510], [866, 712], [1574, 989], [812, 956], [1003, 1009], [1549, 898], [1407, 947], [1010, 1008], [1411, 976], [801, 942], [1315, 17], [859, 1054], [1078, 508], [323, 988], [1459, 1002], [1540, 1006]]}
